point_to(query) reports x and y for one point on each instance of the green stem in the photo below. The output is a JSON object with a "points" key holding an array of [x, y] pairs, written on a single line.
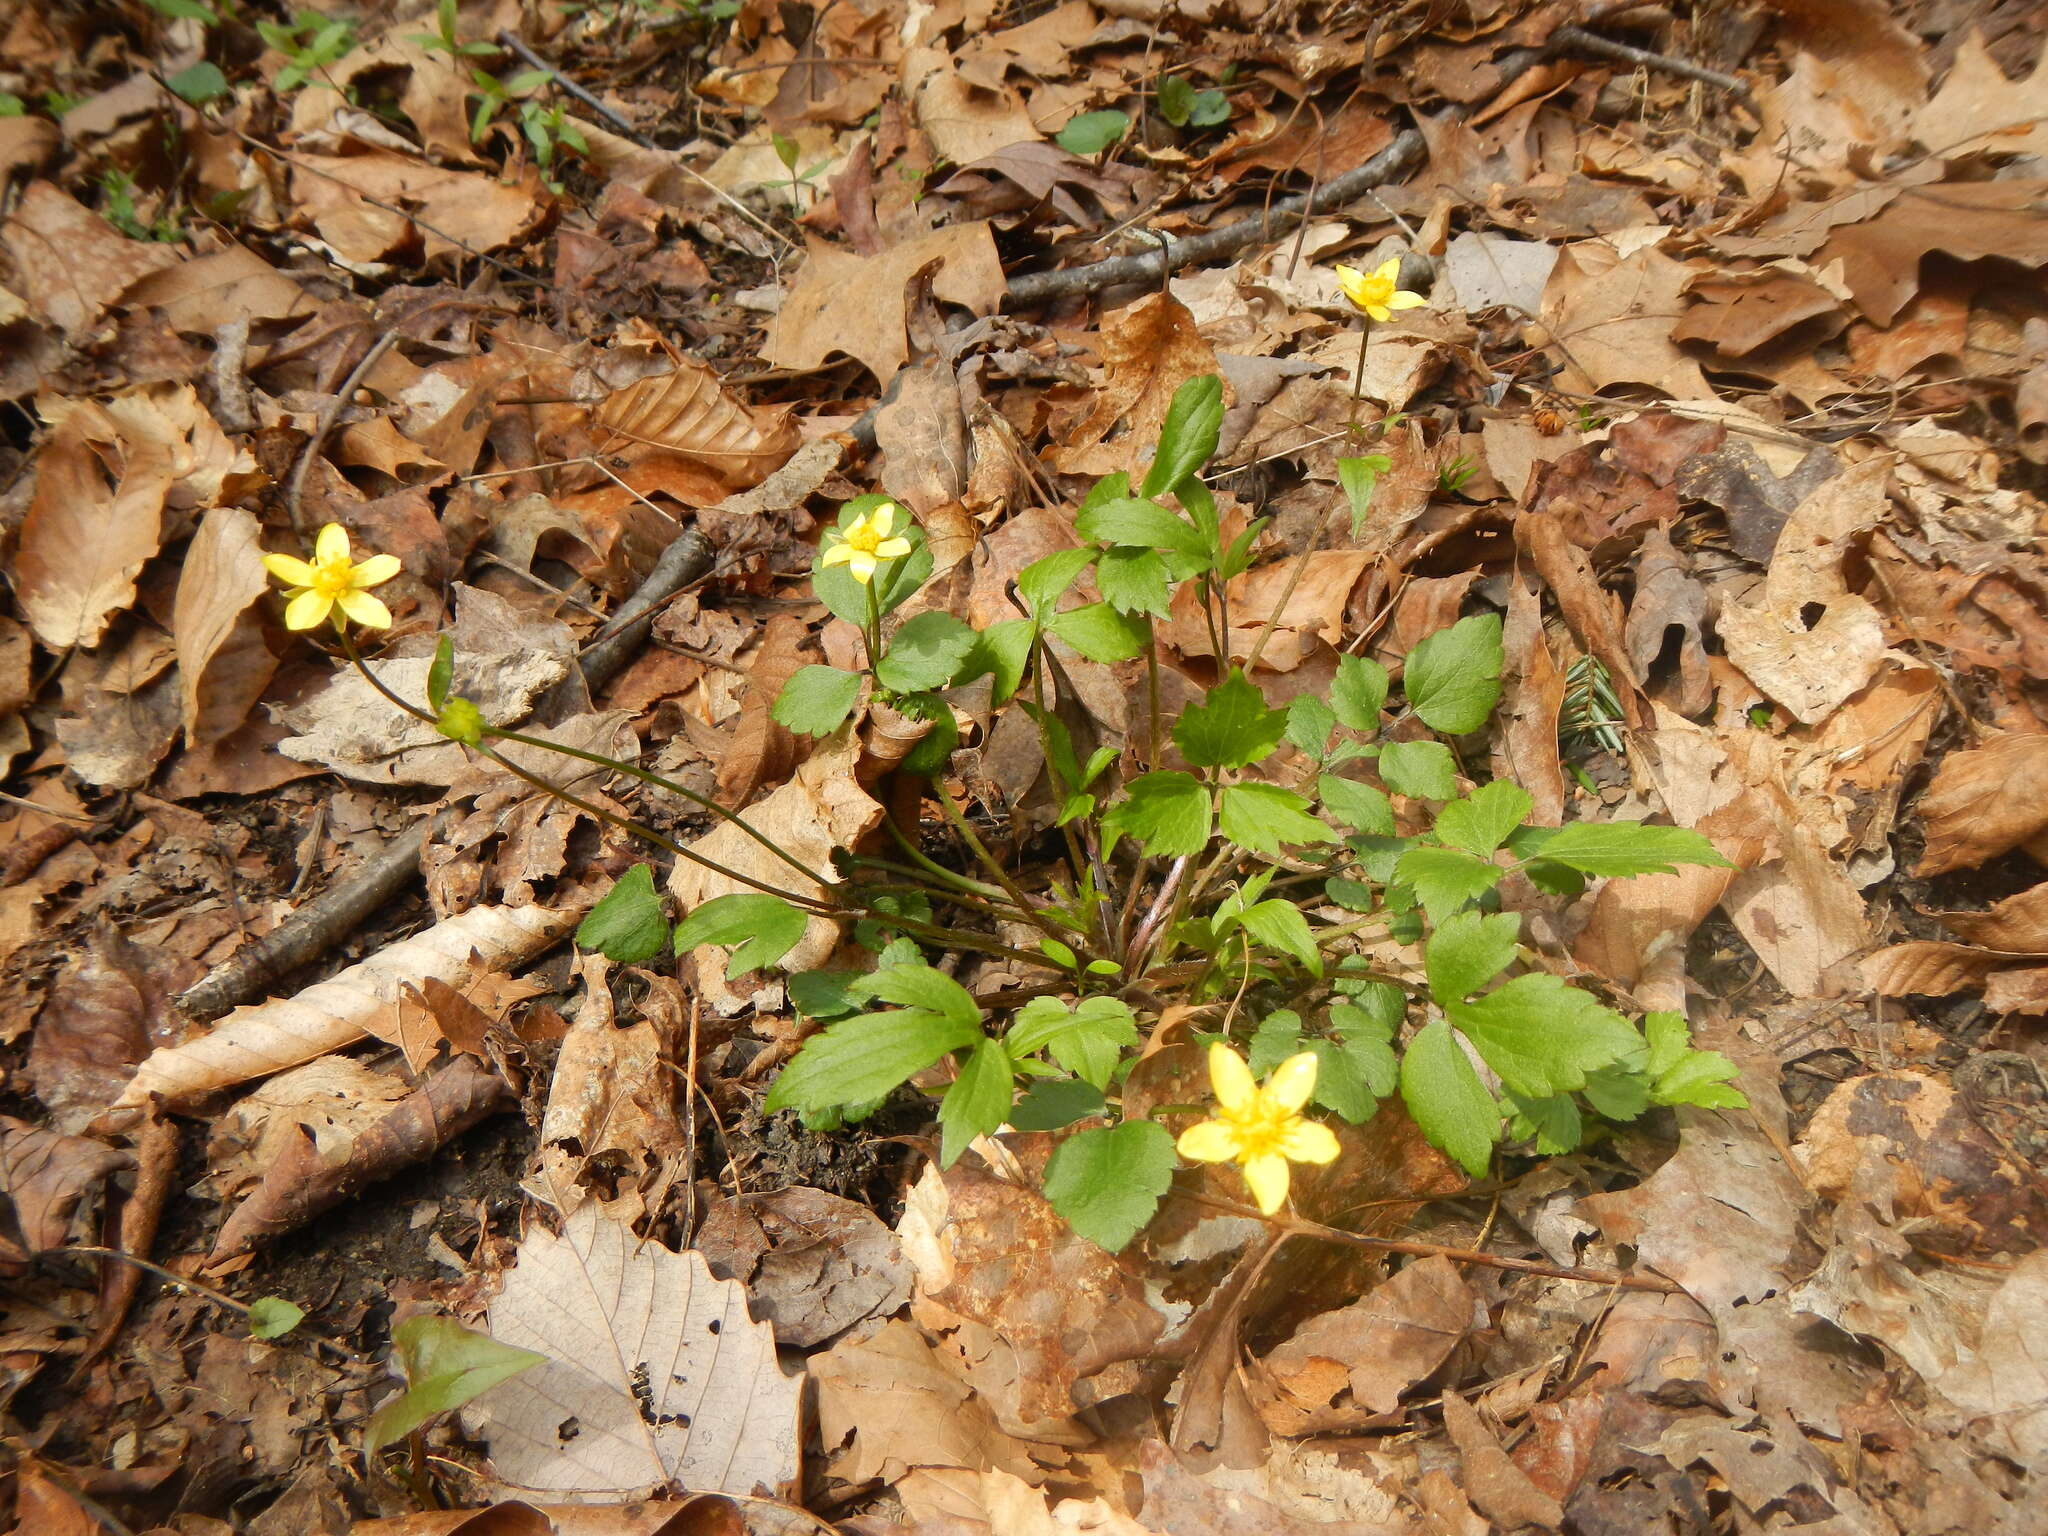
{"points": [[994, 866], [926, 866], [1358, 379]]}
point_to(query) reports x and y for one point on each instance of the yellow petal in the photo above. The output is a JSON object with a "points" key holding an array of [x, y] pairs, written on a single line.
{"points": [[1230, 1080], [893, 549], [289, 569], [838, 554], [1403, 299], [860, 565], [1377, 311], [1309, 1141], [1353, 282], [1388, 271], [1267, 1175], [374, 571], [306, 610], [1293, 1081], [365, 609], [332, 544], [884, 518], [1209, 1141]]}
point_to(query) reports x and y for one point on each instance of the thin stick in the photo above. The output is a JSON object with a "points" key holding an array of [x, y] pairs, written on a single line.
{"points": [[201, 1288], [329, 415], [1580, 39]]}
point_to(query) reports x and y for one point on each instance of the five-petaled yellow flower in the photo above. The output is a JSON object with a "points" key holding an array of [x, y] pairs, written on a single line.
{"points": [[1262, 1128], [332, 581], [1378, 292], [867, 543]]}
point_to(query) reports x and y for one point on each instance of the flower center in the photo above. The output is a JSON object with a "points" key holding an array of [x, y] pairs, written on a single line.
{"points": [[865, 537], [331, 578], [1377, 289], [1261, 1128]]}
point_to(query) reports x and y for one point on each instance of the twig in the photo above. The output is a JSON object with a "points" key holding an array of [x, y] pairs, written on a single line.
{"points": [[507, 40], [329, 918], [1579, 39], [329, 415]]}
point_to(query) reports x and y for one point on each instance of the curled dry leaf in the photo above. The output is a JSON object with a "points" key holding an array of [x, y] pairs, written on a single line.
{"points": [[692, 415], [815, 1264], [656, 1374], [263, 1038], [104, 480], [223, 663], [70, 263], [43, 1176], [699, 1515], [306, 1180], [1985, 801]]}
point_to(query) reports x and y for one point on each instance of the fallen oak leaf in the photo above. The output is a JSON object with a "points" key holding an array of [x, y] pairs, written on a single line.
{"points": [[1984, 801], [691, 414], [223, 663], [263, 1038]]}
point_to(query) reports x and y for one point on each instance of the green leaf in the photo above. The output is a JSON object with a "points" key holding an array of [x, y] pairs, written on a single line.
{"points": [[1447, 1098], [272, 1317], [1378, 1073], [1187, 440], [1176, 100], [935, 752], [922, 986], [816, 700], [1090, 133], [1681, 1075], [1277, 1038], [1359, 477], [1467, 951], [1135, 523], [978, 1102], [1616, 1093], [1043, 582], [445, 1366], [1166, 811], [1003, 651], [1542, 1036], [627, 924], [823, 994], [1087, 1040], [758, 928], [1481, 821], [441, 674], [1100, 633], [1452, 678], [1619, 848], [1056, 1102], [1133, 581], [866, 1057], [1422, 770], [1106, 1182], [894, 582], [1359, 692], [1263, 817], [1553, 1123], [1208, 109], [201, 83], [1358, 806], [1375, 1011], [1309, 723], [924, 653], [1279, 925], [1351, 895], [1344, 1079], [1444, 879], [1231, 728]]}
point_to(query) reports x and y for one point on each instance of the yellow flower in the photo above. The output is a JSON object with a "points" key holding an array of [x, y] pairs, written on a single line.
{"points": [[1377, 292], [1262, 1128], [332, 581], [866, 544]]}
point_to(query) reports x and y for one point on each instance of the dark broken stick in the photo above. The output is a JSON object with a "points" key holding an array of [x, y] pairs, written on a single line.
{"points": [[1398, 159], [332, 916]]}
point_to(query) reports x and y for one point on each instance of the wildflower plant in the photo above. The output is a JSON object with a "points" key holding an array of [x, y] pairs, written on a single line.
{"points": [[1321, 882]]}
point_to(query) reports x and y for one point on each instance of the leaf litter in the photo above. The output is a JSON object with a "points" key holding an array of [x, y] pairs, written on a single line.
{"points": [[1729, 394]]}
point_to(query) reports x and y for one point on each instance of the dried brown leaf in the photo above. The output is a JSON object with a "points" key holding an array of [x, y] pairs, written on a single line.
{"points": [[44, 1174], [691, 414], [1984, 801], [70, 263], [656, 1374], [223, 663]]}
